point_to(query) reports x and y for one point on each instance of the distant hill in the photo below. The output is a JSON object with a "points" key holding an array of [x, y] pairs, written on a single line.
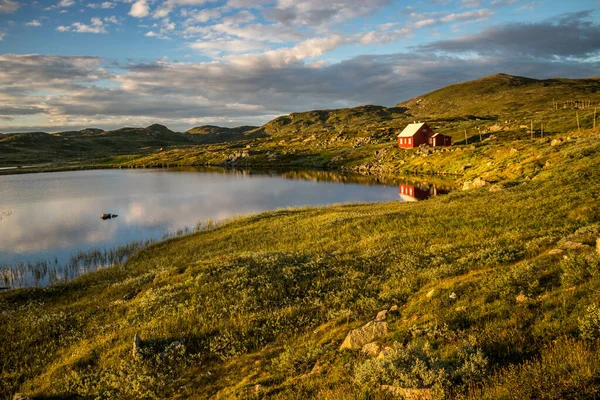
{"points": [[41, 147], [217, 134], [502, 94]]}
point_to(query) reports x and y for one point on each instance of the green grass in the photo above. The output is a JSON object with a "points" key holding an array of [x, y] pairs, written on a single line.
{"points": [[257, 302]]}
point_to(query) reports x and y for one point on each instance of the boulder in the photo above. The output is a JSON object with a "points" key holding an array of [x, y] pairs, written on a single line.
{"points": [[574, 245], [381, 315], [555, 142], [475, 184], [370, 332], [20, 396], [370, 349]]}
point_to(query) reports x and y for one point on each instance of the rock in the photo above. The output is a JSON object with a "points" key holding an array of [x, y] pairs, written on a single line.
{"points": [[513, 150], [395, 310], [521, 298], [408, 394], [474, 184], [453, 295], [496, 188], [19, 396], [383, 354], [357, 338], [317, 369], [556, 251], [574, 246], [381, 315], [430, 293], [555, 142], [137, 346], [370, 349]]}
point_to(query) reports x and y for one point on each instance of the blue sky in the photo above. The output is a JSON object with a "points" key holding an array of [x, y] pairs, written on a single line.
{"points": [[69, 64]]}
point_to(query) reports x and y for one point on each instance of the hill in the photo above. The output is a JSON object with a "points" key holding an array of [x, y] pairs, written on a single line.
{"points": [[217, 134], [498, 106], [87, 144]]}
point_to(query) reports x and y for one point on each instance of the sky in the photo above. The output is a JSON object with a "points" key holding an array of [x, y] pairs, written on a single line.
{"points": [[73, 64]]}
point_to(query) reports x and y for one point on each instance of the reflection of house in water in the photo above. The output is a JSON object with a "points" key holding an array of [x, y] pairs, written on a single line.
{"points": [[416, 192]]}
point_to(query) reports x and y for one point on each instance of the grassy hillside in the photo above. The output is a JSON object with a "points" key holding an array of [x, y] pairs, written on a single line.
{"points": [[496, 294], [208, 134], [85, 145]]}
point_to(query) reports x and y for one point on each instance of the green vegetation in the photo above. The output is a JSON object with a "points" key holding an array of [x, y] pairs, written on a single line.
{"points": [[258, 306], [495, 287]]}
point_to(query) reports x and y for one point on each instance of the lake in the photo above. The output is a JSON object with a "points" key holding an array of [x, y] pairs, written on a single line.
{"points": [[51, 230]]}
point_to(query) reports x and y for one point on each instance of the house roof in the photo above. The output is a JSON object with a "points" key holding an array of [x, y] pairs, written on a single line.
{"points": [[411, 129], [438, 134]]}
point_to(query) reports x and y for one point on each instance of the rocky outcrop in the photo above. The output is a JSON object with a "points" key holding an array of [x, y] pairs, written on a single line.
{"points": [[370, 349], [370, 332], [365, 336]]}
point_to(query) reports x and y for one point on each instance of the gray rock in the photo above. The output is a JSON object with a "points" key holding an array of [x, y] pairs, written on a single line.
{"points": [[357, 338]]}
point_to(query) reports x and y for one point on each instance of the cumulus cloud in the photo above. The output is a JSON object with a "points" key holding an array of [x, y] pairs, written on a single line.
{"points": [[140, 9], [34, 23], [96, 25], [8, 6], [104, 5]]}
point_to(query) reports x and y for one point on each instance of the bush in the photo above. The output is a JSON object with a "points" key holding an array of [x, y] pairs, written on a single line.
{"points": [[589, 325], [578, 268]]}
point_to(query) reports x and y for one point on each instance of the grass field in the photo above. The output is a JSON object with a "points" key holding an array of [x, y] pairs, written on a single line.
{"points": [[258, 306]]}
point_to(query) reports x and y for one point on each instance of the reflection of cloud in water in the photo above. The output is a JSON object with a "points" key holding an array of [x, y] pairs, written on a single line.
{"points": [[59, 211]]}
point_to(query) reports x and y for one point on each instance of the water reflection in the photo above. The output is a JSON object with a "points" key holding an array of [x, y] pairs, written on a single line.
{"points": [[50, 220], [420, 191]]}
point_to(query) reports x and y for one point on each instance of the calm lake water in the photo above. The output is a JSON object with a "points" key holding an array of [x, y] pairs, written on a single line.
{"points": [[52, 216]]}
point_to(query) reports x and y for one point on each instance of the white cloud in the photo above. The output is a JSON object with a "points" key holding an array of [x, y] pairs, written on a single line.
{"points": [[140, 9], [9, 6], [65, 3], [34, 23], [104, 5], [96, 26], [112, 19], [478, 15], [2, 34]]}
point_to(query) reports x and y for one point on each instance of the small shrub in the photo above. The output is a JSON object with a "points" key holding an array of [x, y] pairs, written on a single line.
{"points": [[578, 268], [589, 325], [295, 360]]}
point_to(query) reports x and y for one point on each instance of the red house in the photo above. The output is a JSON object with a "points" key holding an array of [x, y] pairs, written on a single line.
{"points": [[420, 133]]}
